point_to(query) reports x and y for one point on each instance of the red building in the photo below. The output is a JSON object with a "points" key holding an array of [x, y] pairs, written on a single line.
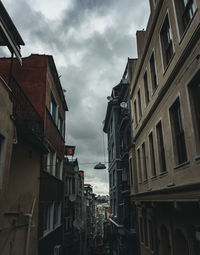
{"points": [[39, 79]]}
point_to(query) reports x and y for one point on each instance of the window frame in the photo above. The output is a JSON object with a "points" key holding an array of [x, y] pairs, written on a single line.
{"points": [[163, 52], [153, 73], [51, 159], [195, 114], [53, 108], [144, 162], [152, 154], [3, 145], [139, 165], [139, 104], [60, 124], [178, 133], [179, 10], [58, 167], [146, 89], [135, 112], [161, 147]]}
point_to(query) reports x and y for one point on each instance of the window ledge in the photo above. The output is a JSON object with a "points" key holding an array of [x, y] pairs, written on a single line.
{"points": [[154, 178], [154, 92], [197, 159], [182, 166], [163, 174], [49, 231], [52, 175], [167, 66]]}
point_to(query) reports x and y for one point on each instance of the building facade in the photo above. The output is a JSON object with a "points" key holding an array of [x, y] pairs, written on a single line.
{"points": [[164, 98], [19, 189], [70, 167], [40, 84], [118, 129]]}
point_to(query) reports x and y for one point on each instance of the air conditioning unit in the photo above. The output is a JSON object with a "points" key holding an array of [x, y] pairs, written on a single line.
{"points": [[57, 250]]}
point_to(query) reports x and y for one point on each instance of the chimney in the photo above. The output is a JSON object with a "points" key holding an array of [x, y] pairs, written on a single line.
{"points": [[152, 4], [140, 37]]}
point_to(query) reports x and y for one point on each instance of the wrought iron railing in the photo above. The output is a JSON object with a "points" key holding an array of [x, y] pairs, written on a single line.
{"points": [[23, 110]]}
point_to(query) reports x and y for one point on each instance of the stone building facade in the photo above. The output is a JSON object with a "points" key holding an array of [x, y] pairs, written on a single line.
{"points": [[165, 124]]}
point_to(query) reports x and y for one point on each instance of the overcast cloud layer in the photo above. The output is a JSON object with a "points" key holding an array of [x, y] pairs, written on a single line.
{"points": [[90, 41]]}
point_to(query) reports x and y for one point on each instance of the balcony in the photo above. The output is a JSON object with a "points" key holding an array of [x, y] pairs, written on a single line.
{"points": [[28, 122]]}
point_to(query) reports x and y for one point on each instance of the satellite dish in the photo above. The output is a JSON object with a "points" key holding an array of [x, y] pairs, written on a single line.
{"points": [[72, 197], [109, 98], [124, 105]]}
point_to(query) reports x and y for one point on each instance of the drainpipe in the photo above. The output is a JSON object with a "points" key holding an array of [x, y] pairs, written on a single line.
{"points": [[30, 216]]}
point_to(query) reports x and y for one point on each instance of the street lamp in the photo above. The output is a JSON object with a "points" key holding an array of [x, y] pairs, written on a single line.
{"points": [[100, 166]]}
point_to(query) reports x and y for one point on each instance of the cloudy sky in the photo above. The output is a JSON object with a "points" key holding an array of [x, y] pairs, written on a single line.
{"points": [[90, 41]]}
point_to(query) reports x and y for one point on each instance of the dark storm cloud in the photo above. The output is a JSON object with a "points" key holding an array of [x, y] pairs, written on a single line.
{"points": [[90, 42]]}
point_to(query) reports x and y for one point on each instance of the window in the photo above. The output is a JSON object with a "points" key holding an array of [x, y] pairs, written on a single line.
{"points": [[115, 211], [124, 175], [53, 108], [46, 217], [166, 42], [2, 156], [141, 230], [113, 178], [152, 155], [110, 180], [110, 156], [47, 222], [146, 89], [185, 10], [57, 214], [151, 235], [135, 112], [68, 224], [161, 149], [144, 161], [139, 165], [146, 241], [112, 151], [139, 105], [153, 73], [194, 93], [60, 124], [131, 170], [58, 168], [181, 243], [111, 126], [68, 185], [1, 143], [178, 133], [50, 162]]}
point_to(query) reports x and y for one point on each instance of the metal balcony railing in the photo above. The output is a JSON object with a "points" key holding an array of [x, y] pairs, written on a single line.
{"points": [[23, 110]]}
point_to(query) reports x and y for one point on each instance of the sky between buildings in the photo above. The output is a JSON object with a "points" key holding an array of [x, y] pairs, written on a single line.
{"points": [[90, 41]]}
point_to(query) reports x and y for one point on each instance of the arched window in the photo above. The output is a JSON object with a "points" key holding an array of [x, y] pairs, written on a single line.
{"points": [[181, 244], [141, 230], [165, 247]]}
